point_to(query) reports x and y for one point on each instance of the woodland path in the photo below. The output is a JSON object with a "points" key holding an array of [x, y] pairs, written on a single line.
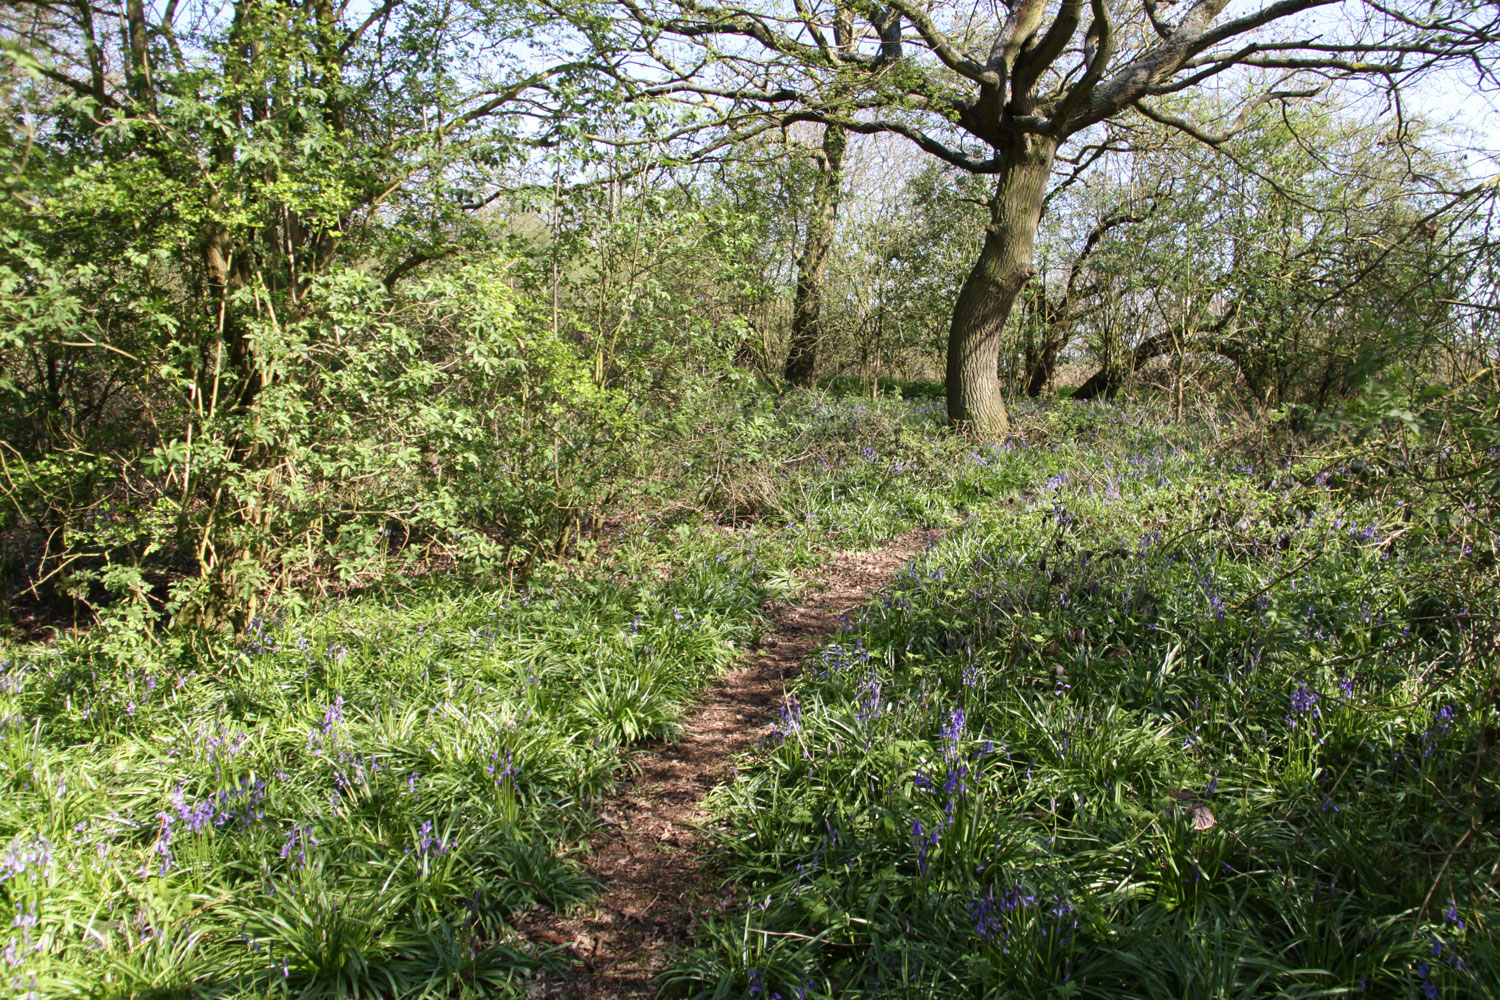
{"points": [[650, 859]]}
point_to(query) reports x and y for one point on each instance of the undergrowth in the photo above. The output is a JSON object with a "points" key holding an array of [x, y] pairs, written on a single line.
{"points": [[1163, 714], [362, 797], [1179, 725]]}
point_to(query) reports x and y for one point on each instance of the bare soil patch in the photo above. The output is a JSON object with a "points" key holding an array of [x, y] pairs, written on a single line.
{"points": [[651, 858]]}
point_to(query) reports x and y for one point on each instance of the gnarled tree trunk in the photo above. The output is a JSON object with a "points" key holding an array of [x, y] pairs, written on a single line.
{"points": [[807, 306], [1002, 270]]}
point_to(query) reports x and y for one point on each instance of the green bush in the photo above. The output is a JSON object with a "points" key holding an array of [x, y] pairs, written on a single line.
{"points": [[430, 420]]}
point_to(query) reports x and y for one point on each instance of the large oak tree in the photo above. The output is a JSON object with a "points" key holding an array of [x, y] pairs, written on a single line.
{"points": [[1015, 91]]}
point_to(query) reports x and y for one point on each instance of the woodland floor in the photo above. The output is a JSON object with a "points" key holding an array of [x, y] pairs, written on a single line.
{"points": [[651, 859]]}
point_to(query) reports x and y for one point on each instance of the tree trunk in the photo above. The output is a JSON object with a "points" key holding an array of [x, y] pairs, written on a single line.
{"points": [[807, 306], [1106, 381], [1002, 270], [1098, 384], [1044, 368], [225, 272]]}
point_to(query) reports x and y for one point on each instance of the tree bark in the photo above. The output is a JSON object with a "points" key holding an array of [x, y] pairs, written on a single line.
{"points": [[138, 74], [807, 306], [1002, 270], [1045, 366]]}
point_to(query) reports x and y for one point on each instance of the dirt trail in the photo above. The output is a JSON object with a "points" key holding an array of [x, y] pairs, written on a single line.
{"points": [[650, 859]]}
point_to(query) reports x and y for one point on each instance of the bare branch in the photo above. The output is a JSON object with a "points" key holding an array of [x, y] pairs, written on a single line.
{"points": [[921, 139], [1102, 29], [951, 54]]}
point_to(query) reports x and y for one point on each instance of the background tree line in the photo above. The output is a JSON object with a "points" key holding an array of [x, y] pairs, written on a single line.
{"points": [[294, 291]]}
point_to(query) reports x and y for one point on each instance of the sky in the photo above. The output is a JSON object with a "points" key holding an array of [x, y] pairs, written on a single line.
{"points": [[1459, 102], [1454, 97]]}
